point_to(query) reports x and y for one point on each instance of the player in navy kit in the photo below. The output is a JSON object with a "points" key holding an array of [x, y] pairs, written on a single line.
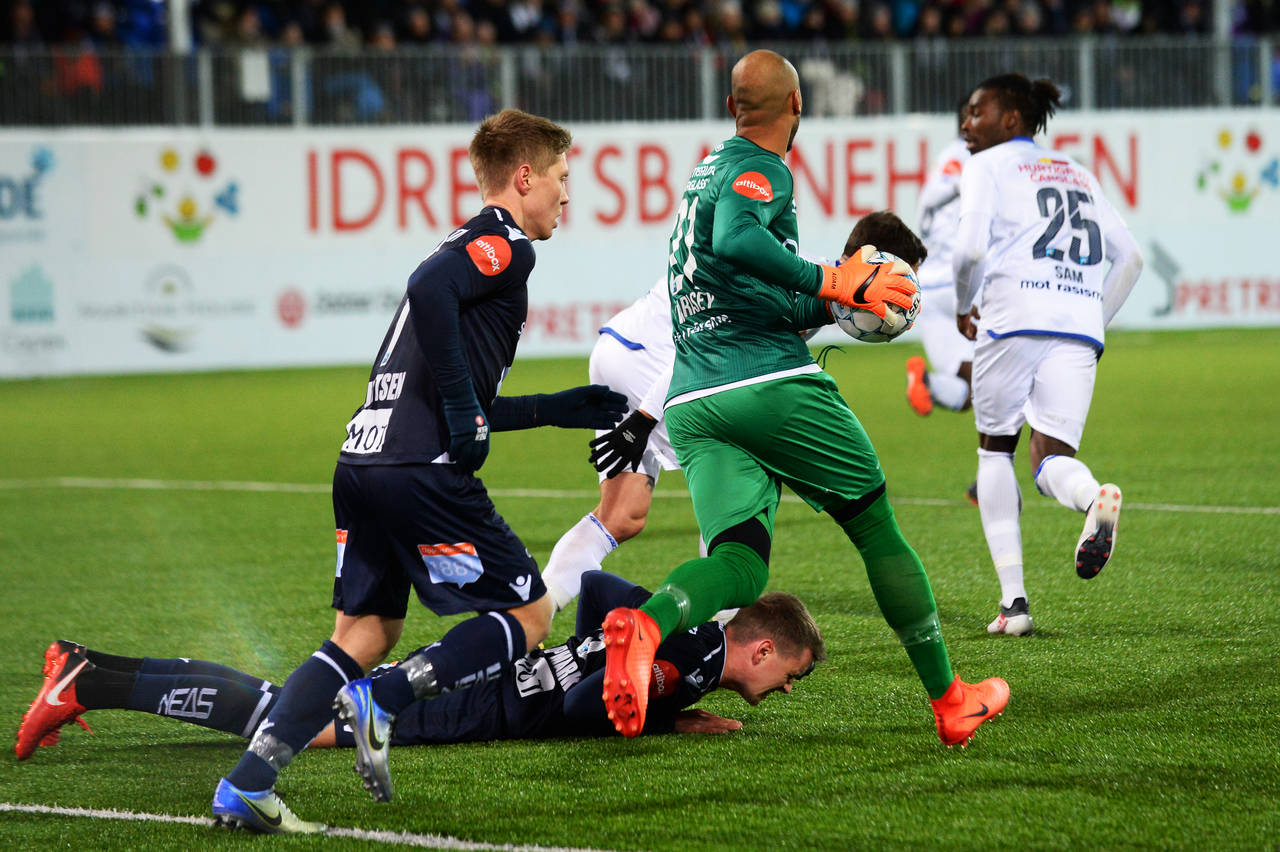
{"points": [[409, 510], [550, 692]]}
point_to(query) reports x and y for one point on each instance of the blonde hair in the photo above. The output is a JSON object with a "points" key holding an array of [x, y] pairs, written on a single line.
{"points": [[505, 141], [783, 618]]}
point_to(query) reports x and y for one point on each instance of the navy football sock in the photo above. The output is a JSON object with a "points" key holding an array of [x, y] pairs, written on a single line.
{"points": [[111, 661], [183, 666], [478, 649], [212, 702], [304, 707], [104, 689]]}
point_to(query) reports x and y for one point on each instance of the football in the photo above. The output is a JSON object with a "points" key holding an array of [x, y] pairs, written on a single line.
{"points": [[864, 325]]}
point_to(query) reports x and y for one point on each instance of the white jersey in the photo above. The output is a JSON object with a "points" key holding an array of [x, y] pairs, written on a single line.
{"points": [[645, 323], [1034, 231], [938, 215], [645, 326]]}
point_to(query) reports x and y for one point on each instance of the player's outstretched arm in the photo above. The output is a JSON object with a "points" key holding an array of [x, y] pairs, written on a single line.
{"points": [[585, 407], [622, 447]]}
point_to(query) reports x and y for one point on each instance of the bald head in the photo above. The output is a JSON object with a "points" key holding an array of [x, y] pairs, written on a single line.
{"points": [[762, 83], [765, 96]]}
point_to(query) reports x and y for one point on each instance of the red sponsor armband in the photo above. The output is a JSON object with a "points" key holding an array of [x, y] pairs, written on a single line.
{"points": [[753, 185], [664, 681], [491, 254]]}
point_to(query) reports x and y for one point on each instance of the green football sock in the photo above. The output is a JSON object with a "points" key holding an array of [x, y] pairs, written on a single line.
{"points": [[901, 588], [733, 575]]}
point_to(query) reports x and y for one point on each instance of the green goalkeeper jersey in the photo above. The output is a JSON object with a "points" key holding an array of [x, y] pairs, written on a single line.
{"points": [[739, 291]]}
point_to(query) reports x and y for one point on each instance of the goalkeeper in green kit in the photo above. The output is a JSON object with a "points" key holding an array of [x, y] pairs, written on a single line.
{"points": [[749, 410]]}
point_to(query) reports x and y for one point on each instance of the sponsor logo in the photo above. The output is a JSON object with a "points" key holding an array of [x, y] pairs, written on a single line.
{"points": [[31, 347], [170, 310], [984, 711], [491, 254], [452, 563], [271, 819], [55, 695], [188, 196], [376, 742], [187, 703], [31, 297], [1239, 169], [753, 185], [952, 168], [665, 677], [342, 550], [20, 198], [521, 586], [293, 306], [860, 295]]}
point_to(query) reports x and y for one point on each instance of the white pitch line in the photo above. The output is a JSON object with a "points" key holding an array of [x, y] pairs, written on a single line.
{"points": [[518, 493], [395, 838]]}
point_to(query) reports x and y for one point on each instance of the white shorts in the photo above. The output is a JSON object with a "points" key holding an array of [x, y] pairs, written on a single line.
{"points": [[631, 372], [944, 345], [1046, 382]]}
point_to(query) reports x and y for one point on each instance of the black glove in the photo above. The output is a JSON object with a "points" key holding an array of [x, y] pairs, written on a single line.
{"points": [[586, 407], [624, 446], [468, 428]]}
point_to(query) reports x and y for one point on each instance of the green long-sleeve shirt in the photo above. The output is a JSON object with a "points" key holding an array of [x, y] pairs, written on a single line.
{"points": [[739, 291]]}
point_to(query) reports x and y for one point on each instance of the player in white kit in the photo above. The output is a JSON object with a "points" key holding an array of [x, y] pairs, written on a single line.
{"points": [[950, 354], [635, 351], [1034, 232]]}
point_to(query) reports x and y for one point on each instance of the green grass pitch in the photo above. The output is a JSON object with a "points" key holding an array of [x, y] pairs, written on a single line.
{"points": [[1145, 712]]}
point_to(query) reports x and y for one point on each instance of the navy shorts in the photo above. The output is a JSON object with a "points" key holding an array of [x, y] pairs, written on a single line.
{"points": [[428, 526]]}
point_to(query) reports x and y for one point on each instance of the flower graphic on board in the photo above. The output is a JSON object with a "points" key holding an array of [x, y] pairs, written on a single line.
{"points": [[1239, 170], [189, 194]]}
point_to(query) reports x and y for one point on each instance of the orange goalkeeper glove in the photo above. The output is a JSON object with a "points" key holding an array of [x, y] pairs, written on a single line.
{"points": [[859, 284]]}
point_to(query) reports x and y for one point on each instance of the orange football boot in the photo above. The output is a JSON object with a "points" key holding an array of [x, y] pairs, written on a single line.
{"points": [[965, 706], [917, 390], [52, 655], [55, 705], [631, 641]]}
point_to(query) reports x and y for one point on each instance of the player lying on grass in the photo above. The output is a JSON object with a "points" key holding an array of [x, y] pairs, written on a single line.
{"points": [[551, 692], [634, 355]]}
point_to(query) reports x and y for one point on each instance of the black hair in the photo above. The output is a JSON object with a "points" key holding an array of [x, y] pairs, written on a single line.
{"points": [[1034, 101], [886, 232]]}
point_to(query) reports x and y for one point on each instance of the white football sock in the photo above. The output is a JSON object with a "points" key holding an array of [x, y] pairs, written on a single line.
{"points": [[948, 391], [1000, 504], [1067, 480], [578, 551]]}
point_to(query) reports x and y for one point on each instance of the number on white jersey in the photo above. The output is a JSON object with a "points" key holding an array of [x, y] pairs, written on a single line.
{"points": [[1051, 207]]}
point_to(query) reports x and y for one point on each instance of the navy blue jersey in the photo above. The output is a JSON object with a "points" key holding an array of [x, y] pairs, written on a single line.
{"points": [[461, 317], [556, 691]]}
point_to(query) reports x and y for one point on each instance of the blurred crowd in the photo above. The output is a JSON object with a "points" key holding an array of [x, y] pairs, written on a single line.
{"points": [[387, 24]]}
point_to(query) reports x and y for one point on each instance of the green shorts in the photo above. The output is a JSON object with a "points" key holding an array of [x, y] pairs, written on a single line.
{"points": [[738, 447]]}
